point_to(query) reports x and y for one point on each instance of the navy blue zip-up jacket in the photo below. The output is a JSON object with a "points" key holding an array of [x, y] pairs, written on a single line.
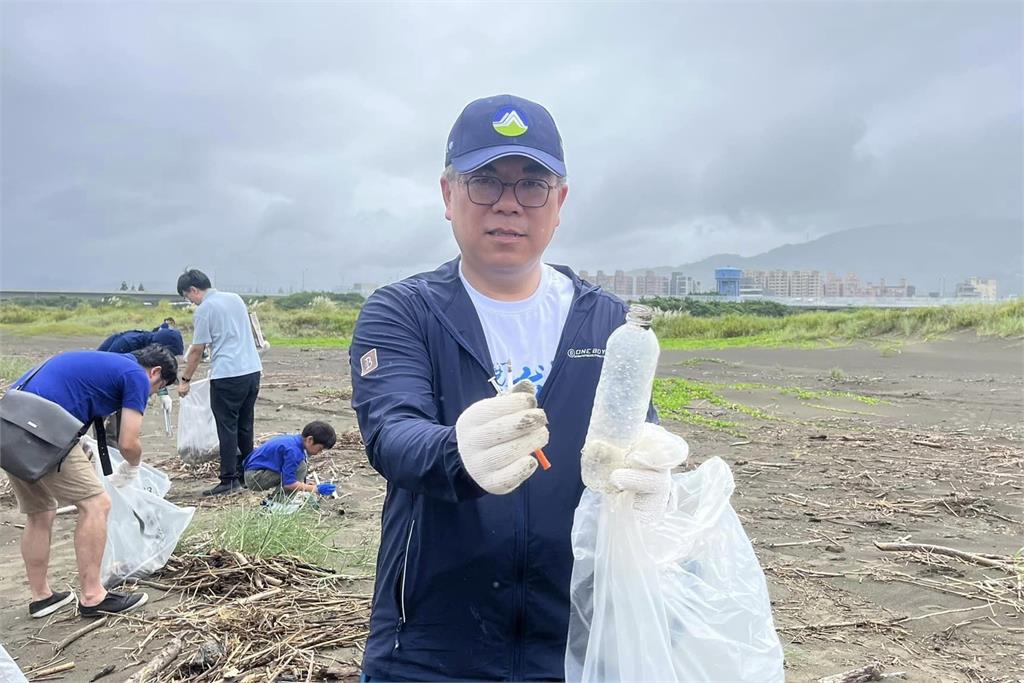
{"points": [[133, 340], [469, 585]]}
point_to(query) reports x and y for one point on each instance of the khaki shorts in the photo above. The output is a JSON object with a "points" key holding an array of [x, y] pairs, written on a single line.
{"points": [[75, 481]]}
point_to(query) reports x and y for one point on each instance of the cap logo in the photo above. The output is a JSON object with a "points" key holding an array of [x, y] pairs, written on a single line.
{"points": [[509, 122]]}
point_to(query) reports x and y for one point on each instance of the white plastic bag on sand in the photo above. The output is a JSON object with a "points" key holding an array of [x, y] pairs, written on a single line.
{"points": [[290, 504], [142, 528], [9, 670], [685, 600], [197, 430]]}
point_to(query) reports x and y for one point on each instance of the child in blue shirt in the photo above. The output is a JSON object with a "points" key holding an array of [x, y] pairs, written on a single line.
{"points": [[280, 463]]}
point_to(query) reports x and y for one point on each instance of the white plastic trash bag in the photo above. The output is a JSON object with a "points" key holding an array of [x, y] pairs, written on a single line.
{"points": [[685, 600], [150, 478], [142, 528], [197, 430], [9, 670]]}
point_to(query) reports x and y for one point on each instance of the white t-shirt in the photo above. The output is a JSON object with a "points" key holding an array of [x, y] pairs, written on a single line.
{"points": [[222, 321], [522, 336]]}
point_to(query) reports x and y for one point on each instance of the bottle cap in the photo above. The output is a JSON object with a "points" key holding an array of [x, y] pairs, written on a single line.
{"points": [[640, 315]]}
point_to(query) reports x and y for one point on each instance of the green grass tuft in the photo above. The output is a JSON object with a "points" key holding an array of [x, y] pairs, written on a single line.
{"points": [[13, 367], [829, 328], [673, 397], [327, 321], [311, 342], [260, 532]]}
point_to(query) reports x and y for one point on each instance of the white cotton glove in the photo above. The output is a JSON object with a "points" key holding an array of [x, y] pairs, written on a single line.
{"points": [[167, 404], [497, 437], [126, 473], [645, 469]]}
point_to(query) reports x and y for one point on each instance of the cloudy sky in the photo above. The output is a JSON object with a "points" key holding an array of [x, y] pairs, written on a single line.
{"points": [[270, 143]]}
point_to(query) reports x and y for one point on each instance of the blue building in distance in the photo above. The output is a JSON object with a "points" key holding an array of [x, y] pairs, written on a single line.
{"points": [[728, 281]]}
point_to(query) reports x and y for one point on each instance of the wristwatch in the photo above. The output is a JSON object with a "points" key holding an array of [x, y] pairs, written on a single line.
{"points": [[186, 379]]}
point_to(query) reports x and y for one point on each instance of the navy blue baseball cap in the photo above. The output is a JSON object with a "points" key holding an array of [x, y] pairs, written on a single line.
{"points": [[501, 126]]}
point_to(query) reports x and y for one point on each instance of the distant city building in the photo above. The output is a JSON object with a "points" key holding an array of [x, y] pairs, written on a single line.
{"points": [[650, 284], [851, 285], [833, 285], [653, 284], [777, 283], [809, 284], [976, 288], [727, 281], [682, 285], [622, 284], [753, 283], [805, 283]]}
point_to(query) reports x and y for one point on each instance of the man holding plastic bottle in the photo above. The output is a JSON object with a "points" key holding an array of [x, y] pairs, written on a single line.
{"points": [[459, 375]]}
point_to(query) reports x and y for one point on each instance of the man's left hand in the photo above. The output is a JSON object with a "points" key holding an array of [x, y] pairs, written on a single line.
{"points": [[648, 474], [183, 388]]}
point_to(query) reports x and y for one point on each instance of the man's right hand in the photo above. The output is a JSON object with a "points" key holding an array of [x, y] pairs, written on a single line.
{"points": [[183, 388], [497, 436], [125, 475]]}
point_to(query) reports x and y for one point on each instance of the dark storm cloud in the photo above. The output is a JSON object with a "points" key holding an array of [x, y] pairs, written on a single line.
{"points": [[276, 143]]}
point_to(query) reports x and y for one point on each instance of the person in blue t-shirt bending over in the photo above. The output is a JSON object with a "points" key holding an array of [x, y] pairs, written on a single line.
{"points": [[281, 462], [89, 385]]}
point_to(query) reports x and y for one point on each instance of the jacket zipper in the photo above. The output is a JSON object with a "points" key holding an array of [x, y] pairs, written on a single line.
{"points": [[519, 601], [401, 590], [519, 624]]}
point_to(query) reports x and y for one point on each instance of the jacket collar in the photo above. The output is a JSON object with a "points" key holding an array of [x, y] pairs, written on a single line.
{"points": [[444, 293]]}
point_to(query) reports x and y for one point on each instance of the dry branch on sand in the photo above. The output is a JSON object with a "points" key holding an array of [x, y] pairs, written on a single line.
{"points": [[863, 674], [998, 561], [250, 619]]}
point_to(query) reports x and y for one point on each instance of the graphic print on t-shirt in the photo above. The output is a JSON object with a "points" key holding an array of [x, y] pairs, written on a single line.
{"points": [[506, 379]]}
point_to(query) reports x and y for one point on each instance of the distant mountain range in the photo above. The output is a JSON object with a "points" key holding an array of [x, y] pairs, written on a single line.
{"points": [[932, 256]]}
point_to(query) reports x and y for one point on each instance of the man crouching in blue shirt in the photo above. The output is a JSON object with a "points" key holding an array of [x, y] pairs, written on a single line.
{"points": [[281, 462]]}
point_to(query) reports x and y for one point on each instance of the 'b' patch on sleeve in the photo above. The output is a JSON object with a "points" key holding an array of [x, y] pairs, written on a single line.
{"points": [[368, 363]]}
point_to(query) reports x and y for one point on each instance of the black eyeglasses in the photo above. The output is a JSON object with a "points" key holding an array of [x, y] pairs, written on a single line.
{"points": [[486, 190]]}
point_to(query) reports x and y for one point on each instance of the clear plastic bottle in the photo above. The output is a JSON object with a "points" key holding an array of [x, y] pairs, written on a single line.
{"points": [[623, 395]]}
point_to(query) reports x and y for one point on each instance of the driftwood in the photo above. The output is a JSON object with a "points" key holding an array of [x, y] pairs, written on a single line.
{"points": [[92, 626], [943, 550], [159, 663], [105, 671], [50, 670], [864, 674]]}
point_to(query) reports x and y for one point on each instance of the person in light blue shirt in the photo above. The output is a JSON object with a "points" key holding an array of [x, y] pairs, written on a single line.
{"points": [[280, 463], [221, 322]]}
